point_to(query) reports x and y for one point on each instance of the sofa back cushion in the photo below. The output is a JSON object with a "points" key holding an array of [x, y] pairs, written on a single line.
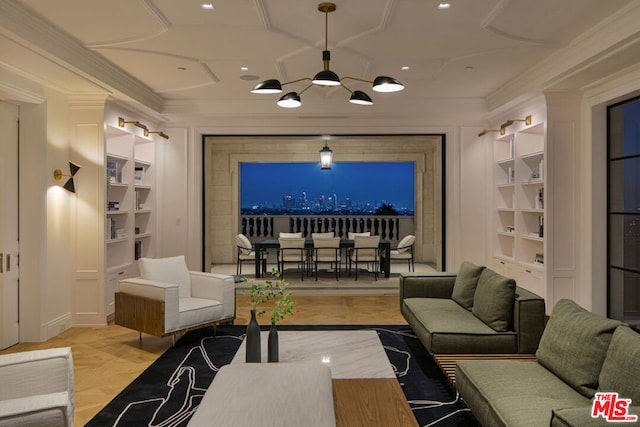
{"points": [[493, 300], [464, 288], [621, 368], [574, 345], [168, 270]]}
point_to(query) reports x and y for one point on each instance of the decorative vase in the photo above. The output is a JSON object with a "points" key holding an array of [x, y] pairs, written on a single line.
{"points": [[253, 340], [272, 344]]}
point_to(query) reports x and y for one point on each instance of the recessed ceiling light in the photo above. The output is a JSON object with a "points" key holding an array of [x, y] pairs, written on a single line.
{"points": [[207, 6], [406, 67], [244, 68], [443, 6]]}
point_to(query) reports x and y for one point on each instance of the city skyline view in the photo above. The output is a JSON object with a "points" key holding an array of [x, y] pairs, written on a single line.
{"points": [[346, 188]]}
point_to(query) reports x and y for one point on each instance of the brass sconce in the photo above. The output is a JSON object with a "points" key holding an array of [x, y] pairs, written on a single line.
{"points": [[69, 185], [159, 133], [509, 122], [486, 131], [122, 122]]}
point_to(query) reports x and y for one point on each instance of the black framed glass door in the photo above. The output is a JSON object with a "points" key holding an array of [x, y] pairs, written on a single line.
{"points": [[623, 211]]}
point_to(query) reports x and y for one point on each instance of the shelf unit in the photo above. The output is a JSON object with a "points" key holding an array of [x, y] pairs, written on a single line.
{"points": [[519, 181], [129, 211]]}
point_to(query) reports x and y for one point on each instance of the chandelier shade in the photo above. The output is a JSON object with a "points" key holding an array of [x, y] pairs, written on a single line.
{"points": [[268, 87], [360, 98], [290, 100], [387, 84], [327, 78]]}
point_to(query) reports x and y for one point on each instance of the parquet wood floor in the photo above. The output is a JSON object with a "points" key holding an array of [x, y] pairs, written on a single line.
{"points": [[107, 359]]}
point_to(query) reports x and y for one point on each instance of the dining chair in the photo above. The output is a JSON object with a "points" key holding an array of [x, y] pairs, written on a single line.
{"points": [[327, 235], [284, 235], [326, 250], [246, 252], [292, 250], [351, 236], [365, 249], [404, 251]]}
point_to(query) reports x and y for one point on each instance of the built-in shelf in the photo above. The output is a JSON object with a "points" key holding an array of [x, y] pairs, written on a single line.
{"points": [[518, 205], [130, 186]]}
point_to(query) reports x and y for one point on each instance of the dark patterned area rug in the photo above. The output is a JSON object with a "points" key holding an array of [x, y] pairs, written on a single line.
{"points": [[170, 390]]}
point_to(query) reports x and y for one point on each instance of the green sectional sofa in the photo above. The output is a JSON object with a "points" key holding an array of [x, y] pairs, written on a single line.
{"points": [[474, 311], [580, 354]]}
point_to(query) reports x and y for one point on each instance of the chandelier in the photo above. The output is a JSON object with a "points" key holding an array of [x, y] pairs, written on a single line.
{"points": [[326, 77]]}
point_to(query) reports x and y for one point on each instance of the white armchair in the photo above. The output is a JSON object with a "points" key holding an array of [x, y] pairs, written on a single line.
{"points": [[168, 299], [37, 388]]}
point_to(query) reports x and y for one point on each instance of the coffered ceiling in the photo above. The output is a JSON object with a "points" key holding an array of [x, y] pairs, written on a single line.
{"points": [[176, 58]]}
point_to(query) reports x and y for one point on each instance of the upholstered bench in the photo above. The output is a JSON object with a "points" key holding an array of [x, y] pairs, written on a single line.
{"points": [[268, 394]]}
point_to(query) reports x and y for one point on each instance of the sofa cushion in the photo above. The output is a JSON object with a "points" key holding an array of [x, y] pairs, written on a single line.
{"points": [[194, 311], [493, 300], [621, 368], [574, 345], [443, 326], [577, 417], [168, 270], [464, 287], [513, 392]]}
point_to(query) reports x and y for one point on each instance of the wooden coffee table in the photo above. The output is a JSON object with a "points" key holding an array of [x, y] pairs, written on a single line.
{"points": [[365, 389]]}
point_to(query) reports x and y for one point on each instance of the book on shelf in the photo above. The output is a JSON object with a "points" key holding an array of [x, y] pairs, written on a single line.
{"points": [[137, 249], [540, 198], [113, 206], [112, 228], [139, 175], [114, 172]]}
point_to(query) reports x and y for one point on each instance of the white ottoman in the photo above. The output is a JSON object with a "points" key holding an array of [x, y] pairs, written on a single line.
{"points": [[268, 394]]}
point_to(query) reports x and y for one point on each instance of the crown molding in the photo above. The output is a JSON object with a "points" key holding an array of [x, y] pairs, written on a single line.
{"points": [[57, 46], [615, 34]]}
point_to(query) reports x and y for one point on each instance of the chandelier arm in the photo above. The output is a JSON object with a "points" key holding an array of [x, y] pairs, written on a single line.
{"points": [[356, 79], [296, 81], [303, 90], [346, 88]]}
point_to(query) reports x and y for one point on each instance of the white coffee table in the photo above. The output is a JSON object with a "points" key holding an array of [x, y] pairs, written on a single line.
{"points": [[364, 387], [349, 354]]}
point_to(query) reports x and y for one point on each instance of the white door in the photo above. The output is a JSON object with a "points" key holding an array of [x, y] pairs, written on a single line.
{"points": [[9, 333]]}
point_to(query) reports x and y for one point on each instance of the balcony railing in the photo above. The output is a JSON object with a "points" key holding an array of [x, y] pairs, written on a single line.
{"points": [[393, 228]]}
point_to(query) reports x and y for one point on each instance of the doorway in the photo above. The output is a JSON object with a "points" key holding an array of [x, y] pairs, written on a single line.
{"points": [[9, 222]]}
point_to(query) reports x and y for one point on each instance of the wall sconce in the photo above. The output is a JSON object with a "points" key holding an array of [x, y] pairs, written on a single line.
{"points": [[122, 122], [526, 120], [326, 157], [486, 131], [159, 132], [69, 185]]}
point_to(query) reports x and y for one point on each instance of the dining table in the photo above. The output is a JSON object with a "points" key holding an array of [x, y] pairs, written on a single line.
{"points": [[263, 245]]}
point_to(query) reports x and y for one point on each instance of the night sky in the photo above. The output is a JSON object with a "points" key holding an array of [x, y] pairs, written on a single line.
{"points": [[362, 182]]}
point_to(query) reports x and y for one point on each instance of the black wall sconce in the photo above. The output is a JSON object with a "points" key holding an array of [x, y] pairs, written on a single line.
{"points": [[69, 185]]}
